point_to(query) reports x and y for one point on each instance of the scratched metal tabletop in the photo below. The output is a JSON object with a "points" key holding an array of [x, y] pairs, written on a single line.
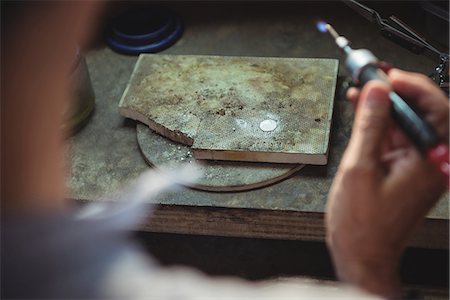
{"points": [[105, 155]]}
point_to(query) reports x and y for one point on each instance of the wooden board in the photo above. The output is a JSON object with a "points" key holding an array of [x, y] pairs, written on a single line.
{"points": [[271, 224], [218, 105]]}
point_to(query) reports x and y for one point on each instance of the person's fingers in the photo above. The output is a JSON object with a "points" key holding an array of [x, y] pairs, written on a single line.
{"points": [[385, 66], [413, 85], [398, 138], [353, 93], [389, 159], [353, 96], [413, 180], [395, 140], [371, 122], [425, 96]]}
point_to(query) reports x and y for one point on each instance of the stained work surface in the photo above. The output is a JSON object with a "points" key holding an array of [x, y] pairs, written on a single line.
{"points": [[217, 103], [105, 154]]}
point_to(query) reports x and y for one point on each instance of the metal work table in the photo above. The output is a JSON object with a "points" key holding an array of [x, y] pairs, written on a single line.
{"points": [[105, 154]]}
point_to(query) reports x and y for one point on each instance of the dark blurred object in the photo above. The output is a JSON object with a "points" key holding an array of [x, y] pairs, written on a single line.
{"points": [[399, 32], [144, 30], [82, 103]]}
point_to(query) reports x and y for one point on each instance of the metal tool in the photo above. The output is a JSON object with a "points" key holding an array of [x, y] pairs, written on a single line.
{"points": [[363, 67], [397, 31]]}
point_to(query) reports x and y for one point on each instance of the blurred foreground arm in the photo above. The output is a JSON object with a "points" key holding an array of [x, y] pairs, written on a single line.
{"points": [[383, 188], [38, 47]]}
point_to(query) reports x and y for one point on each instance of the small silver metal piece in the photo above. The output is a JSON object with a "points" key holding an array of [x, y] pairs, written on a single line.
{"points": [[268, 125]]}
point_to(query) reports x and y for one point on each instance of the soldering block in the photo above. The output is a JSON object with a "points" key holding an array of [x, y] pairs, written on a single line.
{"points": [[218, 105]]}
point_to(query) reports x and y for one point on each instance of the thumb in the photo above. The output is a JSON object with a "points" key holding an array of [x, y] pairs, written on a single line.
{"points": [[371, 121]]}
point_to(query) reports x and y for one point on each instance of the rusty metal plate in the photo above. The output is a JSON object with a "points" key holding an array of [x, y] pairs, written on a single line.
{"points": [[218, 105], [216, 176]]}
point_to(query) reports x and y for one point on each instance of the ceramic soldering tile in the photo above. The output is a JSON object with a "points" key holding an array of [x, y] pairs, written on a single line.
{"points": [[237, 108]]}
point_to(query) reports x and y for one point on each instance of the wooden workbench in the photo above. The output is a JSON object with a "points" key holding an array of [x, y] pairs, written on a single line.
{"points": [[105, 154]]}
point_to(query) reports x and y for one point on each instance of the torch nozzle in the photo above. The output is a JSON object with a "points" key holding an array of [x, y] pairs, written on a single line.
{"points": [[341, 41], [332, 31]]}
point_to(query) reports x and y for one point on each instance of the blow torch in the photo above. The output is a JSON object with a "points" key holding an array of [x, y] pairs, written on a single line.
{"points": [[364, 67]]}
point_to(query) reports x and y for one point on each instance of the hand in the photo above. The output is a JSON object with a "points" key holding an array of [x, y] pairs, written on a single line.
{"points": [[383, 188]]}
